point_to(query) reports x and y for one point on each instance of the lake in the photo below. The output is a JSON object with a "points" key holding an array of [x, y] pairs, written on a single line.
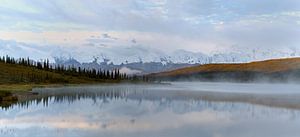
{"points": [[182, 109]]}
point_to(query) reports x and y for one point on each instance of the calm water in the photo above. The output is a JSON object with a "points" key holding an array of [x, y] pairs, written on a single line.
{"points": [[177, 110]]}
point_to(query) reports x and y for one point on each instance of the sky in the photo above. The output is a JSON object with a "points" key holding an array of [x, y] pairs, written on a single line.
{"points": [[165, 25]]}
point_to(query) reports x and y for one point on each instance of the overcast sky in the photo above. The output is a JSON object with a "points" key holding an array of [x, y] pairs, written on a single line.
{"points": [[193, 25]]}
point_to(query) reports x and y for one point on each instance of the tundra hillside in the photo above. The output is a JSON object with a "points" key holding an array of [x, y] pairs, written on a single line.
{"points": [[276, 70]]}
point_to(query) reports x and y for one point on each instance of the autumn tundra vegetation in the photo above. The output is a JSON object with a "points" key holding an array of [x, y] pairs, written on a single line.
{"points": [[25, 70], [274, 70]]}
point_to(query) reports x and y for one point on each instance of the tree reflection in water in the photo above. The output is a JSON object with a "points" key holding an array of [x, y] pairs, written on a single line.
{"points": [[165, 98]]}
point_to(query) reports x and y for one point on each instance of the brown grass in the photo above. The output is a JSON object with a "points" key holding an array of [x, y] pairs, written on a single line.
{"points": [[268, 66], [21, 75]]}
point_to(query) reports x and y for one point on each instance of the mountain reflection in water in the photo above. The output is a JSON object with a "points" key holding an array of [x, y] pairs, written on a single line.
{"points": [[145, 110]]}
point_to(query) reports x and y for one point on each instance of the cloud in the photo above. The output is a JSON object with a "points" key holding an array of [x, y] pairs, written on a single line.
{"points": [[107, 36], [104, 40], [17, 49], [129, 71], [193, 25]]}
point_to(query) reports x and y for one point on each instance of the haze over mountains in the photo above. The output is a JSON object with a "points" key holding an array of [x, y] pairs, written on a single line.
{"points": [[140, 59], [144, 54]]}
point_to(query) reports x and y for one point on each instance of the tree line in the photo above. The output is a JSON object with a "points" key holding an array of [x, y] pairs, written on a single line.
{"points": [[69, 70]]}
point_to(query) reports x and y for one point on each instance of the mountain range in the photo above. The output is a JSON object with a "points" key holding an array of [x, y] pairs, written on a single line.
{"points": [[138, 58]]}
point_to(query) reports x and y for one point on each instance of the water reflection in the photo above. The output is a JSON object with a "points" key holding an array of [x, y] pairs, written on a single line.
{"points": [[127, 110], [157, 93]]}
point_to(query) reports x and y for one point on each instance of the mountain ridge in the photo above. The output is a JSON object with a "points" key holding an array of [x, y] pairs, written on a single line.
{"points": [[275, 68], [140, 59], [134, 53]]}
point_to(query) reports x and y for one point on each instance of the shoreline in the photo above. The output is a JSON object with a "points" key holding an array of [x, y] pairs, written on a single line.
{"points": [[13, 93], [289, 101]]}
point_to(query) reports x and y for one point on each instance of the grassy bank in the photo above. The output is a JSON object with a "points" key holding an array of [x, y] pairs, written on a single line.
{"points": [[17, 87], [9, 92]]}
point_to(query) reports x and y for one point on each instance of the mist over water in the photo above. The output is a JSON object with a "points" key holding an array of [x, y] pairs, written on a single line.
{"points": [[176, 110], [229, 87]]}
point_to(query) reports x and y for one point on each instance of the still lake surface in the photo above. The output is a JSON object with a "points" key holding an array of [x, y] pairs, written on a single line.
{"points": [[186, 109]]}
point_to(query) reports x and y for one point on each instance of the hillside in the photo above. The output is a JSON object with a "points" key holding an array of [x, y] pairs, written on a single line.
{"points": [[19, 74], [276, 69]]}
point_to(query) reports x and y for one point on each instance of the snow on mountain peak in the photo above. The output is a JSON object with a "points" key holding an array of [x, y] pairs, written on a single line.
{"points": [[139, 53]]}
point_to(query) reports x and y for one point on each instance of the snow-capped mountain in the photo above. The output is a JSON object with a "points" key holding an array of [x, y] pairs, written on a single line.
{"points": [[141, 54], [242, 54], [234, 55], [158, 61]]}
